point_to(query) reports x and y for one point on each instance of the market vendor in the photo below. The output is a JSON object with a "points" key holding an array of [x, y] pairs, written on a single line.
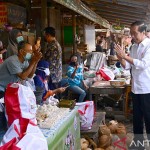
{"points": [[41, 79], [17, 67], [75, 78]]}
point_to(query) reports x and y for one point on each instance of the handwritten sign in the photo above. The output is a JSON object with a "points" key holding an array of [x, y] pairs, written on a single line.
{"points": [[3, 14]]}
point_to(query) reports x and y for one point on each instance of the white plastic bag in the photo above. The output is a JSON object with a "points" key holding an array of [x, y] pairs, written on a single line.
{"points": [[86, 112], [51, 100], [20, 102], [106, 74], [28, 136], [30, 83]]}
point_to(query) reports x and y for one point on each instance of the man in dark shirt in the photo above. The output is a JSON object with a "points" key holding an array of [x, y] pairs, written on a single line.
{"points": [[53, 55]]}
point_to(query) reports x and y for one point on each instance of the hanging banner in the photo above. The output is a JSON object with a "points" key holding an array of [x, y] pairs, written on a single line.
{"points": [[3, 14]]}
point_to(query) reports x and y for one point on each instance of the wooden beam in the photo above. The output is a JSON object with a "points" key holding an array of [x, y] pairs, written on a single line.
{"points": [[43, 14], [104, 15], [116, 9], [100, 3], [120, 12], [135, 3], [127, 15], [111, 20], [28, 7], [74, 33]]}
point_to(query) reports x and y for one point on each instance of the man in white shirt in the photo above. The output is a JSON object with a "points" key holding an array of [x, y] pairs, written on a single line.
{"points": [[139, 63]]}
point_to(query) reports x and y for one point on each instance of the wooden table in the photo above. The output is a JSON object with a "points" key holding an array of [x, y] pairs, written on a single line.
{"points": [[104, 87]]}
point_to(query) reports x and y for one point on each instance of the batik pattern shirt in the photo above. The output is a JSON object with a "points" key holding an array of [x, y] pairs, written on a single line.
{"points": [[53, 55]]}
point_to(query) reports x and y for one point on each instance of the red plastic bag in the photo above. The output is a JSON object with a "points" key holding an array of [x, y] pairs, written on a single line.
{"points": [[20, 102], [106, 74], [11, 145], [23, 133]]}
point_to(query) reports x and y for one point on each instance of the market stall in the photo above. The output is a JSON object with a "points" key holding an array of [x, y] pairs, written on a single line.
{"points": [[64, 134], [101, 88], [57, 127]]}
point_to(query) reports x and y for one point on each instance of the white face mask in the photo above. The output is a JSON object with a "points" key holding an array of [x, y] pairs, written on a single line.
{"points": [[46, 70]]}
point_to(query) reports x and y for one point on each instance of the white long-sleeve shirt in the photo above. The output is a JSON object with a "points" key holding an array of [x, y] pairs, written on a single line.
{"points": [[141, 67]]}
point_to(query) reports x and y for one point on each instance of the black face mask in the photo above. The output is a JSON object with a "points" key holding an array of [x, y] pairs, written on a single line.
{"points": [[73, 64]]}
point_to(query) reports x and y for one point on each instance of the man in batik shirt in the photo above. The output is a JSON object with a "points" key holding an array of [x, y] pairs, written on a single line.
{"points": [[53, 55]]}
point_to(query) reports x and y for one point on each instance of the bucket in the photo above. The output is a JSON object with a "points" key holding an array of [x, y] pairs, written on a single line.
{"points": [[39, 94]]}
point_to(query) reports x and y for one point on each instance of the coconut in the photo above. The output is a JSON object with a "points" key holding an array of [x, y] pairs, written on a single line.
{"points": [[110, 148], [84, 144], [105, 141], [121, 130], [104, 130], [113, 125]]}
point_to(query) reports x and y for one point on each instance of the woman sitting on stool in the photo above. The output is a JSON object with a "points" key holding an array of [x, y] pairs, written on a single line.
{"points": [[75, 78]]}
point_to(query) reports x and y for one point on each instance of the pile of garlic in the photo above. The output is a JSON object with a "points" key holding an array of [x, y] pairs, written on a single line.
{"points": [[48, 115]]}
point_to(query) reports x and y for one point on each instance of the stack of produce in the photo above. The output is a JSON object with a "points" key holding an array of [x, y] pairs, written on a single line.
{"points": [[87, 143], [111, 133], [48, 115]]}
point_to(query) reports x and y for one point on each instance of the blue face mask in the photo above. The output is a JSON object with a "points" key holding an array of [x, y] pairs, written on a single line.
{"points": [[28, 56], [19, 39]]}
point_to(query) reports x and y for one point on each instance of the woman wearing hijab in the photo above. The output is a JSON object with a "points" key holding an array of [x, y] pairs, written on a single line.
{"points": [[15, 36], [41, 79]]}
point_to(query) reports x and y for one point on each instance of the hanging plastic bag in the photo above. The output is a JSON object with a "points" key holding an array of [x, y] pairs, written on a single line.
{"points": [[86, 112], [24, 134], [11, 145], [20, 102]]}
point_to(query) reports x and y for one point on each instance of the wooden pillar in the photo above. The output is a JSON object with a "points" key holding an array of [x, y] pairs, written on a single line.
{"points": [[74, 33], [28, 6], [44, 14], [62, 37], [44, 22]]}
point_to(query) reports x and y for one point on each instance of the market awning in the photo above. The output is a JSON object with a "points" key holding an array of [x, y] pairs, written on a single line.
{"points": [[82, 9], [122, 12]]}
